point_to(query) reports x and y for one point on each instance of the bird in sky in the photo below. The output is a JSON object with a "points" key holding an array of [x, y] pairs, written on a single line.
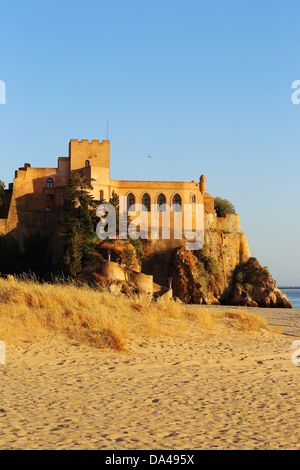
{"points": [[149, 156]]}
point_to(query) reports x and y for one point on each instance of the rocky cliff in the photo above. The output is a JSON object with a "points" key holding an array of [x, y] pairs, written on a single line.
{"points": [[252, 285], [222, 272]]}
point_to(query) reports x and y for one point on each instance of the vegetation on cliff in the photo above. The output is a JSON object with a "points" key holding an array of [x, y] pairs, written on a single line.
{"points": [[197, 277], [223, 207]]}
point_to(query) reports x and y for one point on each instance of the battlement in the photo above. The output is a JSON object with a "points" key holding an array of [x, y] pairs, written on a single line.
{"points": [[24, 168], [84, 141], [92, 153]]}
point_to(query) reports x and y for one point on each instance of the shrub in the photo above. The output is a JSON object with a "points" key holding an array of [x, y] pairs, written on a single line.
{"points": [[138, 245], [208, 268], [223, 206]]}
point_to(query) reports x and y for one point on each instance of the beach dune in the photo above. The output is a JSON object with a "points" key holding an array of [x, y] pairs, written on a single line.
{"points": [[214, 388]]}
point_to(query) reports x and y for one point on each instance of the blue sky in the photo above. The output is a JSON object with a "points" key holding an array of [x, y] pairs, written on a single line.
{"points": [[204, 87]]}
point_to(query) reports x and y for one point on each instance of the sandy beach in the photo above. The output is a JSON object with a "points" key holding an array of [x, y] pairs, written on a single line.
{"points": [[220, 389]]}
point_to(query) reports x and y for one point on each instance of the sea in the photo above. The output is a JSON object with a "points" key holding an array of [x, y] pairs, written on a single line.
{"points": [[293, 295]]}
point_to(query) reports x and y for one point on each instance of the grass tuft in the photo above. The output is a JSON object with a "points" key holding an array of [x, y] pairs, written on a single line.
{"points": [[99, 318]]}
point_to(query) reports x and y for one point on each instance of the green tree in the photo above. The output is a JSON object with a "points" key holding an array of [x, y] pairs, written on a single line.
{"points": [[114, 200], [223, 206], [138, 246], [78, 224]]}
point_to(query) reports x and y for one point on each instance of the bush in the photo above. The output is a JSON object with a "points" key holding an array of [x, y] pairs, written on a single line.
{"points": [[250, 274], [138, 245], [223, 206], [208, 268]]}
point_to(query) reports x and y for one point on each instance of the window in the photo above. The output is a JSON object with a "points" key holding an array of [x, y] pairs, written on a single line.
{"points": [[87, 163], [146, 202], [161, 201], [101, 195], [49, 184], [193, 198], [130, 201], [176, 203], [48, 209]]}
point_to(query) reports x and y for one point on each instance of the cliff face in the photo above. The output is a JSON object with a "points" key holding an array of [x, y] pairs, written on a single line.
{"points": [[203, 276], [197, 277], [223, 271], [226, 243]]}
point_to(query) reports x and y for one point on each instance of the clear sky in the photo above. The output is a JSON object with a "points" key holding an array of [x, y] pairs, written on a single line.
{"points": [[202, 86]]}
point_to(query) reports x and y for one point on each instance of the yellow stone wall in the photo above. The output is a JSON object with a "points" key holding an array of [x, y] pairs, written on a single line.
{"points": [[34, 205]]}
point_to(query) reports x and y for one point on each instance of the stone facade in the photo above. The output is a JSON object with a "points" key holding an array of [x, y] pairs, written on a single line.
{"points": [[34, 201]]}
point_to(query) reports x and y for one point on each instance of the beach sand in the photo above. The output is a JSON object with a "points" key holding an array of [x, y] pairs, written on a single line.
{"points": [[220, 389]]}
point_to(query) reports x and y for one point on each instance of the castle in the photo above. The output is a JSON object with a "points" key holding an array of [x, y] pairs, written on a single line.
{"points": [[34, 200], [34, 203]]}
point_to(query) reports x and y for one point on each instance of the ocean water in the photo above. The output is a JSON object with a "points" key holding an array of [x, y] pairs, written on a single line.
{"points": [[294, 296]]}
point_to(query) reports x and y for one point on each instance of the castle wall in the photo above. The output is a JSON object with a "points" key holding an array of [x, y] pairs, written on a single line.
{"points": [[95, 152], [226, 242], [189, 193], [229, 223], [155, 188], [144, 282], [6, 200], [96, 155], [36, 205], [113, 271], [209, 203], [3, 228]]}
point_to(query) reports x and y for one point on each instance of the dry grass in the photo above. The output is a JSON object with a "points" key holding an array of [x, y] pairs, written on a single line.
{"points": [[246, 321], [100, 318]]}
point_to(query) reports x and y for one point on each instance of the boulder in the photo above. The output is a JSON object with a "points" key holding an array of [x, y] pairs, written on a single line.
{"points": [[253, 286]]}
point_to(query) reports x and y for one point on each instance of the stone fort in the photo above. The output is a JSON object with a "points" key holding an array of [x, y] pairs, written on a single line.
{"points": [[34, 201]]}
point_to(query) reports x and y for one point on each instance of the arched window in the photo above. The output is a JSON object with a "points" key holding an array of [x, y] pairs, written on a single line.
{"points": [[87, 163], [48, 209], [161, 201], [49, 184], [146, 202], [176, 203], [193, 198], [130, 201]]}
